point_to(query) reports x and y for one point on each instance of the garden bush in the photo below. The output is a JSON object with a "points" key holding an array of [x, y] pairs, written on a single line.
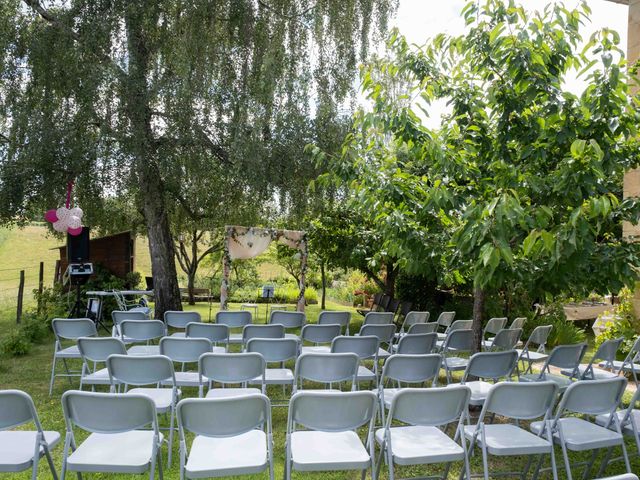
{"points": [[563, 332], [15, 343], [624, 325]]}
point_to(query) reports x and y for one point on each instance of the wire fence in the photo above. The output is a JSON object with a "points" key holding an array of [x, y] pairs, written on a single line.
{"points": [[10, 279]]}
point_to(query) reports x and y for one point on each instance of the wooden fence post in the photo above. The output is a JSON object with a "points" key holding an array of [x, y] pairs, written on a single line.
{"points": [[56, 273], [20, 295], [40, 285]]}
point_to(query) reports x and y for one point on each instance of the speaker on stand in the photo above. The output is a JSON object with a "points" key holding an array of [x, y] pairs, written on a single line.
{"points": [[79, 269]]}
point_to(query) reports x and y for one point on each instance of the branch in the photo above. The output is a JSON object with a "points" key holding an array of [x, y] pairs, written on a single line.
{"points": [[213, 248], [280, 14], [202, 142], [373, 277]]}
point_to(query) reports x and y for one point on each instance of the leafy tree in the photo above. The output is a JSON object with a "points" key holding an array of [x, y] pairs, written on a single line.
{"points": [[521, 183], [117, 94]]}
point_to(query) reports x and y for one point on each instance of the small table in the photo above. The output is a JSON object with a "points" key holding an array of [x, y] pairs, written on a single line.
{"points": [[276, 306], [250, 306], [113, 293]]}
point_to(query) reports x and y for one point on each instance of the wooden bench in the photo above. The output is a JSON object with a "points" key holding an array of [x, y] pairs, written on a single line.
{"points": [[199, 294]]}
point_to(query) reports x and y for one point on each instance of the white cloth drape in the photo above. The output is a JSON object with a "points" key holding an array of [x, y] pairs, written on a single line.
{"points": [[248, 242], [291, 238]]}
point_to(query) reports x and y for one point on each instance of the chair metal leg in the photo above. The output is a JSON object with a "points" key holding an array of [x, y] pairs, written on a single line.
{"points": [[52, 467], [53, 374], [565, 455], [605, 462], [589, 466], [485, 460]]}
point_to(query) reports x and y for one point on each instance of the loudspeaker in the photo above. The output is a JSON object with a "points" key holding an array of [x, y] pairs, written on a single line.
{"points": [[78, 247]]}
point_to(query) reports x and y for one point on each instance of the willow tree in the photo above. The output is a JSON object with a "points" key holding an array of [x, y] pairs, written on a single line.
{"points": [[112, 93]]}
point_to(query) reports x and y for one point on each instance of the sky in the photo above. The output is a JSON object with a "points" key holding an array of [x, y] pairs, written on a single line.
{"points": [[419, 20]]}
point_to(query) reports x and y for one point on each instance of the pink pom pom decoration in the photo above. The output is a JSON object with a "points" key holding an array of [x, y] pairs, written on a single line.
{"points": [[74, 231], [50, 216]]}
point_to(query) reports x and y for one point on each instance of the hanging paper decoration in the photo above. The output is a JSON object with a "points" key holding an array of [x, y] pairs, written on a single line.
{"points": [[65, 219]]}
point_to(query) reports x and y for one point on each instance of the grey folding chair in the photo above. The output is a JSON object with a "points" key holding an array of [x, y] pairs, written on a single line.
{"points": [[320, 336], [180, 319], [94, 351], [142, 331], [22, 449], [563, 356], [430, 327], [420, 440], [378, 318], [68, 329], [457, 342], [629, 419], [518, 322], [629, 364], [118, 316], [385, 333], [289, 320], [331, 318], [214, 332], [406, 370], [366, 348], [185, 351], [233, 436], [416, 343], [538, 340], [234, 320], [493, 326], [275, 350], [456, 325], [231, 368], [413, 318], [330, 419], [262, 331], [592, 398], [140, 372], [607, 354], [445, 319], [517, 402], [327, 369], [487, 366], [117, 442], [505, 339]]}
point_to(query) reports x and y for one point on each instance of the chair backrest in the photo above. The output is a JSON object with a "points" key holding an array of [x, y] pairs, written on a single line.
{"points": [[98, 349], [393, 305], [215, 332], [234, 319], [142, 330], [429, 406], [607, 351], [384, 302], [506, 339], [180, 319], [332, 411], [140, 370], [320, 333], [494, 325], [493, 365], [262, 331], [184, 350], [417, 343], [565, 356], [414, 318], [460, 325], [288, 320], [446, 318], [326, 368], [405, 309], [17, 408], [385, 333], [231, 367], [224, 417], [539, 337], [377, 297], [378, 318], [423, 328], [595, 397], [274, 349], [522, 401], [73, 328], [518, 322], [118, 315], [365, 347], [340, 318], [411, 368], [459, 340], [108, 412]]}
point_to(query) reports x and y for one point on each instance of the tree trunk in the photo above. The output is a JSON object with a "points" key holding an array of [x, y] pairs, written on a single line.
{"points": [[478, 316], [191, 280], [390, 279], [323, 275]]}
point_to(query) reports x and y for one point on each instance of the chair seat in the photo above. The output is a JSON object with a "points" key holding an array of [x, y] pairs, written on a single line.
{"points": [[17, 447], [581, 435], [162, 397], [479, 391], [231, 392], [382, 353], [416, 445], [617, 364], [532, 357], [506, 439], [598, 373], [235, 338], [486, 344], [322, 451], [442, 336], [276, 376], [99, 377], [144, 350], [178, 334], [145, 310], [128, 452], [455, 363], [387, 395], [562, 382], [292, 336], [241, 454], [315, 349], [69, 352], [184, 379], [627, 428], [365, 374]]}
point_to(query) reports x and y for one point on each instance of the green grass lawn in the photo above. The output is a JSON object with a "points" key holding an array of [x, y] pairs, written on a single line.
{"points": [[31, 374]]}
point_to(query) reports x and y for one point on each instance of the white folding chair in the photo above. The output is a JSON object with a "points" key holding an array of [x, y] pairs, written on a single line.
{"points": [[320, 336], [231, 368], [179, 320], [328, 369], [629, 419], [289, 320], [185, 351], [456, 343], [487, 366], [118, 316], [518, 322], [606, 353], [234, 320], [68, 329], [215, 333], [378, 318], [142, 371], [116, 443], [505, 339], [233, 436], [629, 364], [413, 318], [430, 327], [22, 449], [563, 356], [331, 318], [261, 331], [95, 351], [456, 325], [588, 398], [366, 347], [445, 319], [416, 343], [538, 340], [517, 402], [420, 440], [142, 331], [385, 333], [330, 442], [493, 326], [275, 350]]}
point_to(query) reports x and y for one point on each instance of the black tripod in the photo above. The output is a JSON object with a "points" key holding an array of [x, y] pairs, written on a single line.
{"points": [[77, 311]]}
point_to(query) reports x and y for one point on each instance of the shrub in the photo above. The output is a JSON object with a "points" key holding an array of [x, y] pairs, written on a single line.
{"points": [[15, 343], [34, 328], [624, 325], [563, 331]]}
